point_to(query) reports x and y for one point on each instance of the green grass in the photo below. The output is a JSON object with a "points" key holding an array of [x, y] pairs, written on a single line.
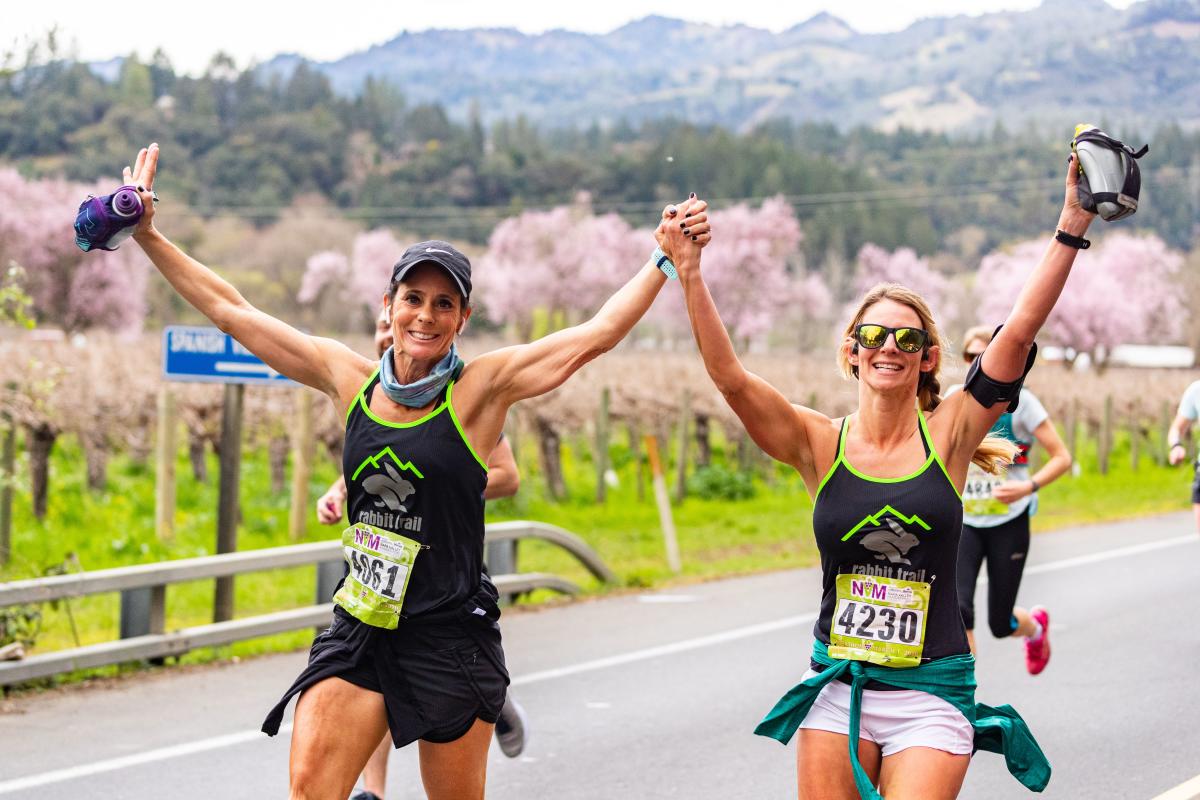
{"points": [[717, 538]]}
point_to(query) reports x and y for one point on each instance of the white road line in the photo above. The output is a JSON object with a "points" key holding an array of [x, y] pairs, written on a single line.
{"points": [[1105, 555], [229, 740], [1189, 790], [665, 650], [161, 754]]}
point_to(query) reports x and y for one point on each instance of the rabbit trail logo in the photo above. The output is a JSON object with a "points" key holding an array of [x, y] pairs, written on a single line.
{"points": [[389, 491], [886, 537], [389, 487]]}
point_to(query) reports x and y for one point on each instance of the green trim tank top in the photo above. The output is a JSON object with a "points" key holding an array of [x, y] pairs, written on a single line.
{"points": [[889, 548], [421, 481]]}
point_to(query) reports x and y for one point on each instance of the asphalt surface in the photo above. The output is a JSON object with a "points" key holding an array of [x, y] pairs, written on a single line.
{"points": [[655, 696]]}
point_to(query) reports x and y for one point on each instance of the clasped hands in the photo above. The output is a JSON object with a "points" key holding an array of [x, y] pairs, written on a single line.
{"points": [[683, 231]]}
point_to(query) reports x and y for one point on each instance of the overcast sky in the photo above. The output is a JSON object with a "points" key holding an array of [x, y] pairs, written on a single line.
{"points": [[191, 32]]}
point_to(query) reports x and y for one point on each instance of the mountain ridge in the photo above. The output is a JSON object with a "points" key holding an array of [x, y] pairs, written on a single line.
{"points": [[1059, 62]]}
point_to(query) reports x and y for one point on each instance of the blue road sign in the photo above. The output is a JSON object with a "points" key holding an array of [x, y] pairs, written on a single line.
{"points": [[192, 353]]}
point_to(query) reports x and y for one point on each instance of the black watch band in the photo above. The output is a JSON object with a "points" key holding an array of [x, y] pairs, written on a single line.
{"points": [[1078, 242]]}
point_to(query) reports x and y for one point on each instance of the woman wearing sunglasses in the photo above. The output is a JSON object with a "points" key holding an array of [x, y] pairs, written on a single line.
{"points": [[888, 700], [996, 512]]}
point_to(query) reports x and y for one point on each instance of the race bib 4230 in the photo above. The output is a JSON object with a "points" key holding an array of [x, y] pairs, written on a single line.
{"points": [[381, 563], [881, 620]]}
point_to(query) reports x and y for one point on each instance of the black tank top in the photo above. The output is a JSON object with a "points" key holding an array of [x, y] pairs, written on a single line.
{"points": [[903, 529], [422, 480]]}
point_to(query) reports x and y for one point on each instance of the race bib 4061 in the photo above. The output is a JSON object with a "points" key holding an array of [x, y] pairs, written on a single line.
{"points": [[381, 564]]}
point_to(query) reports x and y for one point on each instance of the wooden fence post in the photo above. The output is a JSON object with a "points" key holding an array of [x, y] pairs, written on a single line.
{"points": [[685, 416], [164, 461], [550, 448], [227, 496], [703, 440], [601, 454], [1071, 430], [7, 475], [664, 506], [1135, 437], [635, 451], [1164, 426], [1104, 439], [303, 447]]}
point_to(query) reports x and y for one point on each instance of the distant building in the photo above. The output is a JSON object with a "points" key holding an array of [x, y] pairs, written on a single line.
{"points": [[1149, 356]]}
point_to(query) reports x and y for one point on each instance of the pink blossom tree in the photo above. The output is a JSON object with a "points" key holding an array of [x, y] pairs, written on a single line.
{"points": [[1122, 291], [746, 267], [564, 262], [358, 279], [70, 288], [903, 266]]}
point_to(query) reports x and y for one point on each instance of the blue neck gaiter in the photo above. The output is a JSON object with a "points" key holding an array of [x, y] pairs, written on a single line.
{"points": [[419, 393]]}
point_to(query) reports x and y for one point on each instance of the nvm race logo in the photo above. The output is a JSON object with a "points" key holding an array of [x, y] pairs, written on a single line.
{"points": [[389, 490], [885, 536]]}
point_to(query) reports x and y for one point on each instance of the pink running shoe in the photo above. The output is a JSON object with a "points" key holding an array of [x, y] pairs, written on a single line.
{"points": [[1037, 651]]}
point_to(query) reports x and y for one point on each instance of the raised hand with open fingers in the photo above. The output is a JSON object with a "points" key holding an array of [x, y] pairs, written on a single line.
{"points": [[141, 175]]}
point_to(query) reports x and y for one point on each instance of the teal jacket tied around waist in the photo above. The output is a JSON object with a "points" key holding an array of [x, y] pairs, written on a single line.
{"points": [[998, 730]]}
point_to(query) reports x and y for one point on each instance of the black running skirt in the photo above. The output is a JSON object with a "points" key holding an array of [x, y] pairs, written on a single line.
{"points": [[436, 676]]}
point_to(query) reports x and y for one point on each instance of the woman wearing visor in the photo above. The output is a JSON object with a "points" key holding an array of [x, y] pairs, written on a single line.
{"points": [[888, 699], [414, 647]]}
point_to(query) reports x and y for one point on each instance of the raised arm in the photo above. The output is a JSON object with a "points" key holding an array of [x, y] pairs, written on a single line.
{"points": [[323, 364], [1004, 359], [781, 429]]}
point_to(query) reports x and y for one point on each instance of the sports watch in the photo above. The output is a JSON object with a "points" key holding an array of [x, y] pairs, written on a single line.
{"points": [[664, 263]]}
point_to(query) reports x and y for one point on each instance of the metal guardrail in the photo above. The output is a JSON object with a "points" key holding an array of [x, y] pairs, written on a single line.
{"points": [[143, 597]]}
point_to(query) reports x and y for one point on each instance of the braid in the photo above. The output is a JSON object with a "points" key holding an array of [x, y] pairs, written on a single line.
{"points": [[929, 391]]}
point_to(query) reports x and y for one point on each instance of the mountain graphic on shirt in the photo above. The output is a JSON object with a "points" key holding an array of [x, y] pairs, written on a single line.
{"points": [[388, 487], [884, 536]]}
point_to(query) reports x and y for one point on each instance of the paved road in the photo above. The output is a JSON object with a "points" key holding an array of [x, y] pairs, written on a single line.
{"points": [[654, 696]]}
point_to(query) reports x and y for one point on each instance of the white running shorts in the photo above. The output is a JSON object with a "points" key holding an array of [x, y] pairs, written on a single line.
{"points": [[894, 720]]}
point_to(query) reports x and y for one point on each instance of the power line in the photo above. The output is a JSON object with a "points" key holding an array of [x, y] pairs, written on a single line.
{"points": [[927, 196]]}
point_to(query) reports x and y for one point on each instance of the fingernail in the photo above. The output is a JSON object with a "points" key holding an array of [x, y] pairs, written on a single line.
{"points": [[141, 188], [692, 196], [686, 232], [683, 225], [693, 238]]}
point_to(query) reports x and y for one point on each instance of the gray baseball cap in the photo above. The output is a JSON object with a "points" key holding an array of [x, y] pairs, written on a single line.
{"points": [[435, 251]]}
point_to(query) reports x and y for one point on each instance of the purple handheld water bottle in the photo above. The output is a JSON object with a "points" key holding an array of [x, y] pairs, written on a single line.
{"points": [[104, 222]]}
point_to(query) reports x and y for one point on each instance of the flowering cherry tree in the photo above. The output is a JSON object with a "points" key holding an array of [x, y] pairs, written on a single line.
{"points": [[903, 266], [359, 278], [746, 269], [69, 288], [566, 262], [1122, 291]]}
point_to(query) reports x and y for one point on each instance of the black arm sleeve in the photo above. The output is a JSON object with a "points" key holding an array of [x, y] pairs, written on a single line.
{"points": [[987, 391]]}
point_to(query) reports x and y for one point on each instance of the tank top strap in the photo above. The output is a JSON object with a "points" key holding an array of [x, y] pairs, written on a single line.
{"points": [[449, 403], [841, 452], [363, 393], [926, 440]]}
